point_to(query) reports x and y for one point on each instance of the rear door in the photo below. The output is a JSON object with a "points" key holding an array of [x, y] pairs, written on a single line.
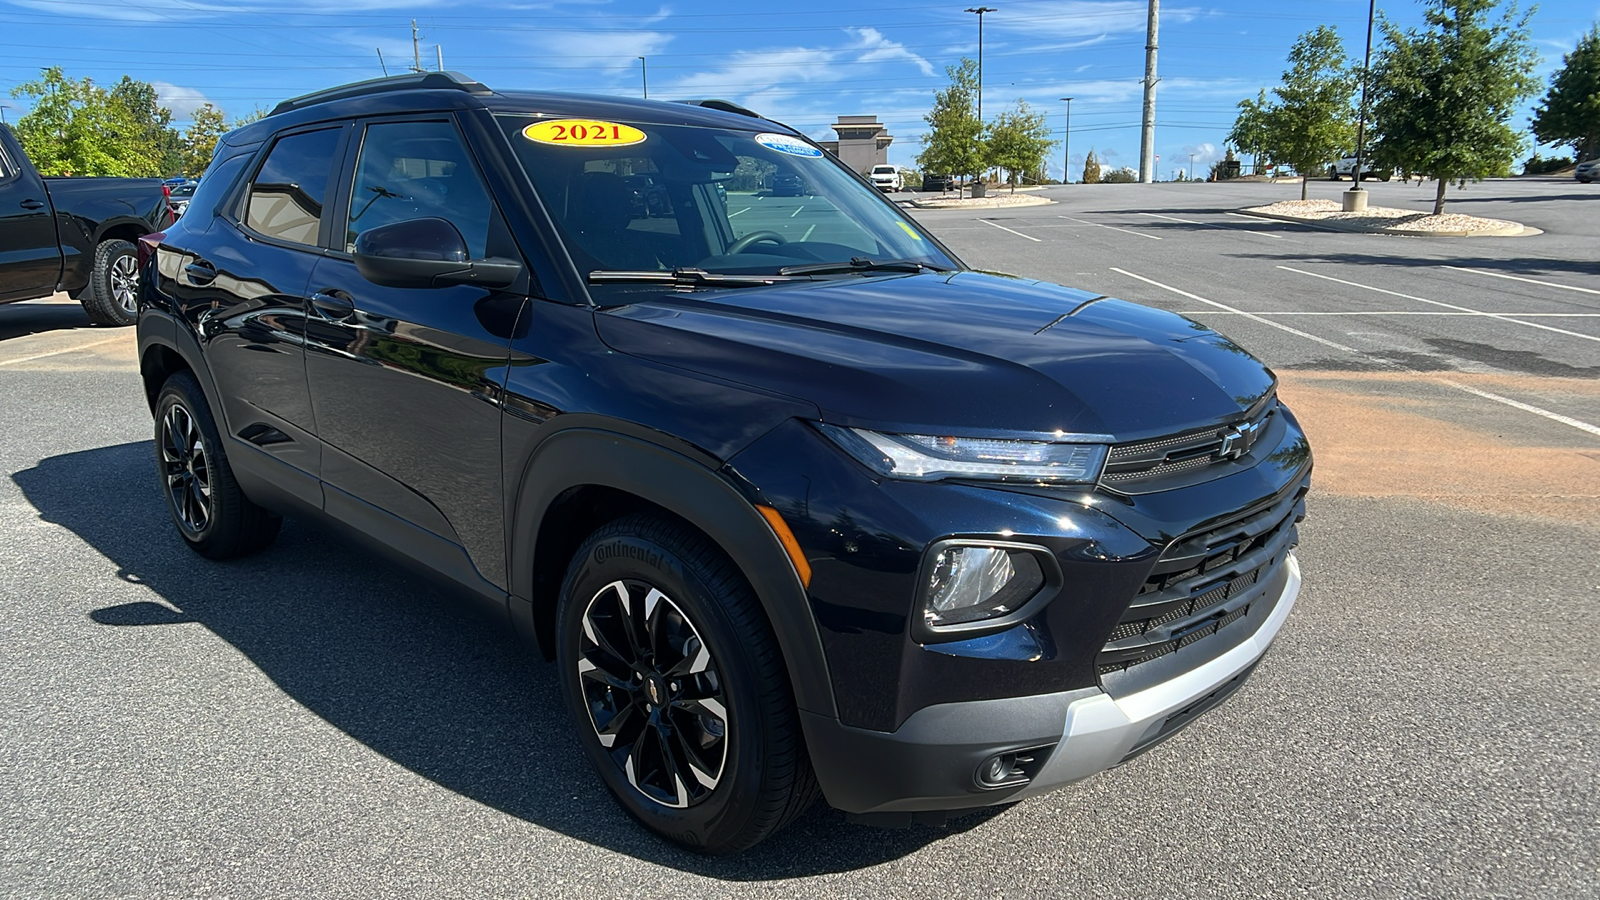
{"points": [[30, 256], [240, 279], [405, 382]]}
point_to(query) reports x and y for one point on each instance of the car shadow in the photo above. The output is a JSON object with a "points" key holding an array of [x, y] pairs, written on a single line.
{"points": [[429, 681], [22, 319]]}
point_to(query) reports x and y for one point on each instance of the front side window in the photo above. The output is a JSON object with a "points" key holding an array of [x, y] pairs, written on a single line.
{"points": [[638, 196], [287, 194], [414, 170]]}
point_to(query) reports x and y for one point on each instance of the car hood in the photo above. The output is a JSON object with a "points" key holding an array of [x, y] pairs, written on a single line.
{"points": [[962, 354]]}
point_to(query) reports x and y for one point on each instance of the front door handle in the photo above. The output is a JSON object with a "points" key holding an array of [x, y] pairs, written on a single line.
{"points": [[32, 204], [201, 273], [333, 304]]}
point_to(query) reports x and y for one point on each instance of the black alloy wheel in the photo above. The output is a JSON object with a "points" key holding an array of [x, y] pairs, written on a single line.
{"points": [[676, 686], [112, 296], [214, 516], [653, 693], [185, 469]]}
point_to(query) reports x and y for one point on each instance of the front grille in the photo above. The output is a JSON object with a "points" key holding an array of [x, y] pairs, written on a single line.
{"points": [[1145, 461], [1205, 582]]}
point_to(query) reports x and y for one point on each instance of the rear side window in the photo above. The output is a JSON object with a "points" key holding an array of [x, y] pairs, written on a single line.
{"points": [[287, 195]]}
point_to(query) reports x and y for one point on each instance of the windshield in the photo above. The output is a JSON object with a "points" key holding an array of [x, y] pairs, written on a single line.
{"points": [[658, 198], [883, 170]]}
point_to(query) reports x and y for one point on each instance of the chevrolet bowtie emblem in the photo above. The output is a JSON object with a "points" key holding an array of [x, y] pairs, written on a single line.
{"points": [[1236, 441]]}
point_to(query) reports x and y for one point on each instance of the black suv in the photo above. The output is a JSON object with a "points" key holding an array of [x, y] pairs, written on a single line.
{"points": [[797, 502]]}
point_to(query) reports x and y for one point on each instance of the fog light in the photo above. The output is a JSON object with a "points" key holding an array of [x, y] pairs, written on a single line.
{"points": [[974, 583], [1009, 769]]}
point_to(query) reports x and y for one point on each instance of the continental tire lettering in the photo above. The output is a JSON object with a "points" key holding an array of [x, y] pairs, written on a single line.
{"points": [[624, 550]]}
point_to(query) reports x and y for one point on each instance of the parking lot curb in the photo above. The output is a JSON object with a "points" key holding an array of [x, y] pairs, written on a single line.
{"points": [[983, 203], [1519, 230]]}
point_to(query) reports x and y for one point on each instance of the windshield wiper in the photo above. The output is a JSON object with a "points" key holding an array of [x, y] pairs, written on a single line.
{"points": [[687, 278], [860, 264]]}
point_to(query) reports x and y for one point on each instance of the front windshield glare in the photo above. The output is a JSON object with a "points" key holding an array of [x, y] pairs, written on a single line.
{"points": [[663, 197]]}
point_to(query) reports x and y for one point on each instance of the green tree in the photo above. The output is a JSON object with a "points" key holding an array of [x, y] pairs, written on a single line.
{"points": [[955, 144], [1570, 111], [1442, 94], [1249, 132], [1313, 120], [1018, 141], [200, 140], [137, 104], [1091, 169], [254, 115], [77, 128]]}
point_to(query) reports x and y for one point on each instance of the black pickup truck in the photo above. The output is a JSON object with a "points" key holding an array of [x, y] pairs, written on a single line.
{"points": [[74, 235]]}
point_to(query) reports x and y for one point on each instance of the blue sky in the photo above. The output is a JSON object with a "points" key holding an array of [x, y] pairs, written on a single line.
{"points": [[804, 63]]}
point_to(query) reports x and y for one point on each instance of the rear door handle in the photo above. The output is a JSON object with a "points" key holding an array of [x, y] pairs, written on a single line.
{"points": [[32, 204], [333, 304], [200, 273]]}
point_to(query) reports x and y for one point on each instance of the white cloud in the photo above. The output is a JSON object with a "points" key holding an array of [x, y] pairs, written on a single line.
{"points": [[181, 100], [1083, 18]]}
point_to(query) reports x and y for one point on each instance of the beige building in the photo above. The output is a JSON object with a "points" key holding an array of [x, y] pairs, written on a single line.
{"points": [[863, 142]]}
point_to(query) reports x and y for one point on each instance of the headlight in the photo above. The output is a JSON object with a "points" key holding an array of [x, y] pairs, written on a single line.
{"points": [[921, 457]]}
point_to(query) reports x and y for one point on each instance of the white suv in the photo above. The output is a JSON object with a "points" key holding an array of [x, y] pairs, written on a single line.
{"points": [[887, 178]]}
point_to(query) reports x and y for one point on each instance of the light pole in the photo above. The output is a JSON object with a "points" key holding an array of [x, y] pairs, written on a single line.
{"points": [[644, 76], [1351, 200], [1066, 145], [980, 10], [1191, 166]]}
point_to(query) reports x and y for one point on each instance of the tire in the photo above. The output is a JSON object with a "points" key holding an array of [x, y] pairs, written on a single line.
{"points": [[1385, 176], [214, 516], [1333, 176], [670, 671], [112, 297]]}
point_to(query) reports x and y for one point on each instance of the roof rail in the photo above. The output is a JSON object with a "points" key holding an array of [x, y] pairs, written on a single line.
{"points": [[414, 81], [724, 106]]}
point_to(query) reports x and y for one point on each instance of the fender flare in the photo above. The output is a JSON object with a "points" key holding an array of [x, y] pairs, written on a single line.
{"points": [[579, 456]]}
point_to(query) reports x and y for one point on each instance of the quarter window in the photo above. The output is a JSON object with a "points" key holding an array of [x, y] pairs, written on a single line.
{"points": [[287, 195]]}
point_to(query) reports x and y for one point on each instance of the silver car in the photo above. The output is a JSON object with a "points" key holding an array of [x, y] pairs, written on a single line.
{"points": [[1588, 171]]}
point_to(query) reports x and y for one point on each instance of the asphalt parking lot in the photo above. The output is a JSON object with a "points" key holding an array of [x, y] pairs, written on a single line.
{"points": [[310, 722]]}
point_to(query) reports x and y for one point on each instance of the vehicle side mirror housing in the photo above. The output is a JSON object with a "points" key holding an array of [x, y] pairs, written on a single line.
{"points": [[427, 253]]}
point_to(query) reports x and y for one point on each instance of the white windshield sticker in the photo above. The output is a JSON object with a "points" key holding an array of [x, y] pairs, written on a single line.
{"points": [[783, 143]]}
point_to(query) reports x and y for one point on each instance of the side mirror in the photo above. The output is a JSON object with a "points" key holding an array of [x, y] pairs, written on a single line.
{"points": [[427, 253]]}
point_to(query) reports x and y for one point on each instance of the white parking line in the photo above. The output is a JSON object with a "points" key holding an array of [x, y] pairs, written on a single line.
{"points": [[1223, 306], [807, 236], [1565, 287], [1112, 227], [1501, 316], [745, 210], [23, 359], [797, 210], [1276, 237], [1171, 218], [1525, 407], [1516, 404], [1017, 233], [1214, 225]]}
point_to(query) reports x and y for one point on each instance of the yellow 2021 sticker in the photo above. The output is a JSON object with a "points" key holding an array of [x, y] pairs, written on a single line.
{"points": [[909, 230], [583, 133]]}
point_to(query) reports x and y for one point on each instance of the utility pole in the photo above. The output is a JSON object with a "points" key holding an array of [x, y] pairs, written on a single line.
{"points": [[1147, 138], [980, 10], [1066, 146], [381, 64], [416, 48], [1191, 166], [644, 76], [439, 48]]}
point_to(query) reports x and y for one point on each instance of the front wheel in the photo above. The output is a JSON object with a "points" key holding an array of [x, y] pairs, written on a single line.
{"points": [[112, 297], [677, 689]]}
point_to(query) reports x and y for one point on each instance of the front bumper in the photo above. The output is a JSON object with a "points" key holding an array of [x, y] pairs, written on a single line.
{"points": [[929, 764]]}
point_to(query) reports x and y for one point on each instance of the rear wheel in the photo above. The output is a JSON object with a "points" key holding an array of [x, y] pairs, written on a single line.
{"points": [[112, 297], [214, 516], [677, 689]]}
